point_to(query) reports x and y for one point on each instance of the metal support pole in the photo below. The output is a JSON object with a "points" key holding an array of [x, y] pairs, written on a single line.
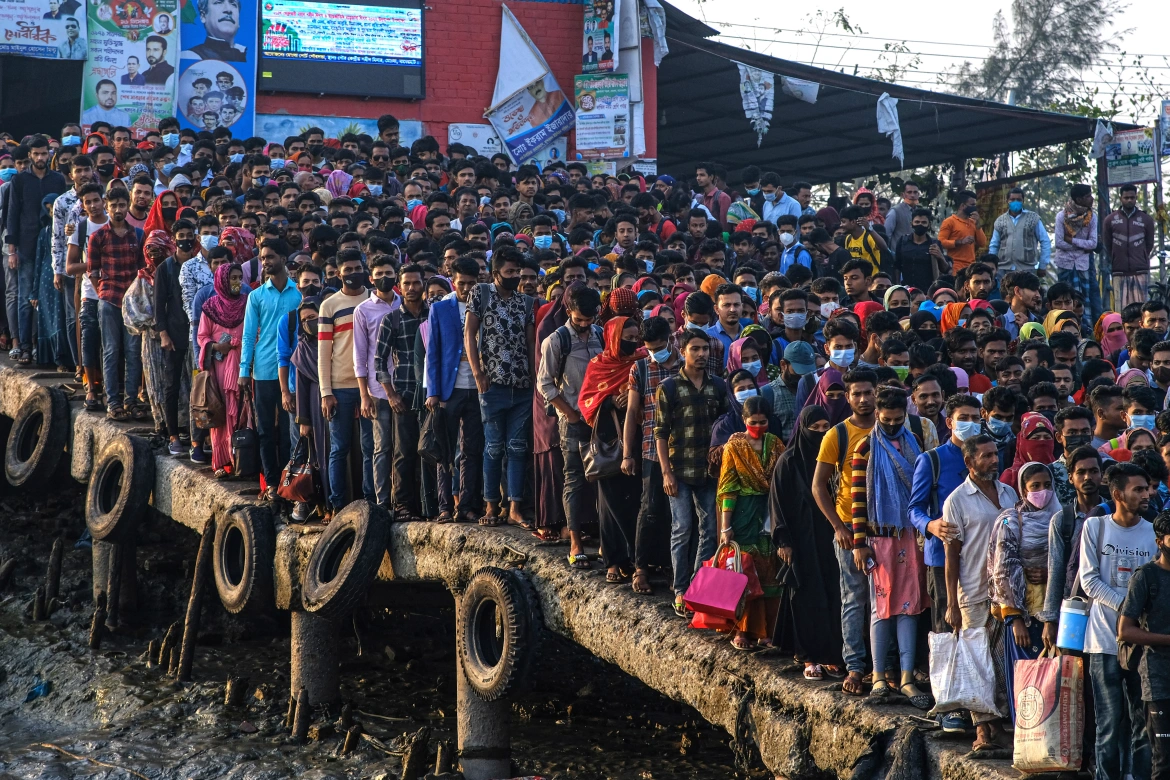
{"points": [[101, 568], [315, 658], [483, 730]]}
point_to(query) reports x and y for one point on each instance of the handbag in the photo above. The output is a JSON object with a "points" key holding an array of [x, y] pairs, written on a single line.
{"points": [[718, 591], [208, 409], [432, 437], [601, 458], [245, 443], [300, 480]]}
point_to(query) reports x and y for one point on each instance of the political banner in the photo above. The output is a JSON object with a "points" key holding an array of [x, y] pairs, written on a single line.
{"points": [[603, 116], [483, 139], [217, 65], [1129, 157], [1164, 125], [46, 29], [130, 77], [601, 37], [533, 118]]}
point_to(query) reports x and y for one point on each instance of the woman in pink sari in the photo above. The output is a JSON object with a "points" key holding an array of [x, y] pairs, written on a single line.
{"points": [[220, 329]]}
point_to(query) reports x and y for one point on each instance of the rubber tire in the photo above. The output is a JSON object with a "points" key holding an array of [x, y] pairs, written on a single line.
{"points": [[125, 465], [497, 671], [243, 560], [37, 439], [346, 559]]}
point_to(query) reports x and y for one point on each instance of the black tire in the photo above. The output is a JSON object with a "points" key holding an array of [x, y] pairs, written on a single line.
{"points": [[37, 439], [498, 630], [119, 489], [345, 561], [243, 559]]}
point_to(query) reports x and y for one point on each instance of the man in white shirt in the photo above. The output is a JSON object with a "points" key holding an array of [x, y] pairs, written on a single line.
{"points": [[95, 218], [1113, 547], [971, 510]]}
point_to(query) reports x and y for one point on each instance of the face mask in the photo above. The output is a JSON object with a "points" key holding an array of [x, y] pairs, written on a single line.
{"points": [[171, 140], [1142, 421], [6, 174], [756, 431], [384, 284], [1015, 207], [227, 193], [186, 244], [696, 327], [962, 322], [106, 170], [185, 148], [1074, 440], [998, 427], [969, 210], [795, 320], [926, 335], [828, 308], [559, 214], [511, 283], [355, 280], [661, 356], [237, 157], [1039, 498], [920, 230], [842, 357], [235, 288], [375, 190], [1049, 414], [753, 367], [168, 169], [1161, 374], [413, 203], [965, 429], [752, 292], [629, 347], [209, 242], [902, 372], [542, 242], [169, 212], [890, 430], [260, 181], [71, 140], [311, 291], [770, 197], [900, 311], [787, 238]]}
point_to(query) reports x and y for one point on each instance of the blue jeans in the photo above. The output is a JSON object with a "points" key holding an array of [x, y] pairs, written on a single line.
{"points": [[69, 318], [91, 334], [854, 610], [20, 288], [903, 627], [349, 401], [1123, 745], [693, 535], [507, 417], [118, 348]]}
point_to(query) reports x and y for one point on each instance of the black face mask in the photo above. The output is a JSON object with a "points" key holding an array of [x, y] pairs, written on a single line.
{"points": [[1049, 414], [384, 284], [890, 430], [920, 230], [106, 170], [1074, 440], [333, 284], [309, 328], [394, 229], [186, 244], [1162, 374], [629, 347], [355, 280], [969, 210], [900, 311], [316, 148], [169, 212], [926, 335], [511, 283], [221, 150], [312, 291]]}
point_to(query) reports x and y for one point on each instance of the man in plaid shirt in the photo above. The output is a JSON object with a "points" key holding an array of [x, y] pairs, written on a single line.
{"points": [[688, 404]]}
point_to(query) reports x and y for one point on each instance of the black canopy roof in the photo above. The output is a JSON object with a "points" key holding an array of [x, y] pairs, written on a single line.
{"points": [[701, 117]]}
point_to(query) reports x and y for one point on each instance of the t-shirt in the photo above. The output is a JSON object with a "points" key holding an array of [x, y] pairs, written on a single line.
{"points": [[830, 453], [88, 292], [503, 337], [464, 378], [1110, 554], [1148, 591]]}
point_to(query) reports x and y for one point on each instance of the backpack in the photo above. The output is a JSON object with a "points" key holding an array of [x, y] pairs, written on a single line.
{"points": [[1130, 655], [565, 337]]}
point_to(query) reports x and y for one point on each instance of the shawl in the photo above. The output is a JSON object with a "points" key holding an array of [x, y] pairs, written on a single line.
{"points": [[1129, 375], [743, 472], [863, 310], [154, 219], [621, 302], [888, 477], [240, 241], [1033, 330], [338, 184], [304, 357], [1030, 450], [950, 316], [155, 238], [608, 373], [1111, 343], [1076, 217], [874, 215], [759, 334], [1019, 540], [836, 410], [1054, 320], [224, 308], [735, 361]]}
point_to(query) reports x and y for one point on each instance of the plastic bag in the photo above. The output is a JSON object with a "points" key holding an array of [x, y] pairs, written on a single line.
{"points": [[1050, 714], [961, 672], [432, 438], [138, 307]]}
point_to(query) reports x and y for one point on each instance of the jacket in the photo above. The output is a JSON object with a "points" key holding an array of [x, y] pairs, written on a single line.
{"points": [[169, 314], [1129, 240], [952, 229], [444, 347], [26, 193]]}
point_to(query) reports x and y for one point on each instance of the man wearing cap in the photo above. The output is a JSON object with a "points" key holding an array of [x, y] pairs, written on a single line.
{"points": [[798, 361], [665, 184], [181, 186]]}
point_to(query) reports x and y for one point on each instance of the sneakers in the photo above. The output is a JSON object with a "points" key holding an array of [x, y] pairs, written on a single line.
{"points": [[176, 449], [198, 455], [301, 512], [955, 722]]}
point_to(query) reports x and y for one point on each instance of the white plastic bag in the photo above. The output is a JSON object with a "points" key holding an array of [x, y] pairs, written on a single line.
{"points": [[138, 307], [961, 672]]}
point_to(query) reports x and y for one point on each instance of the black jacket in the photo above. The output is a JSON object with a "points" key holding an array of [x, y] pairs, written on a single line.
{"points": [[26, 192], [169, 314]]}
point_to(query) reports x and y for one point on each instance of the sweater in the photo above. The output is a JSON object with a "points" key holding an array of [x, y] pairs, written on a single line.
{"points": [[335, 334]]}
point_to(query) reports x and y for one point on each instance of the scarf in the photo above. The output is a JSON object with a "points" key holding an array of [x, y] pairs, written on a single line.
{"points": [[742, 472], [1076, 218], [830, 218], [223, 308], [888, 477], [735, 360], [806, 443], [1030, 450], [1035, 520], [154, 219], [1111, 343], [836, 410], [608, 373], [338, 184], [874, 216], [678, 299], [893, 288], [1033, 330], [154, 239], [240, 241], [622, 302], [759, 334], [1054, 320], [863, 310], [951, 314], [304, 357]]}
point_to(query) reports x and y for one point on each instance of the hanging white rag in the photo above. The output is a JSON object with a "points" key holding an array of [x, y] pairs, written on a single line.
{"points": [[887, 122]]}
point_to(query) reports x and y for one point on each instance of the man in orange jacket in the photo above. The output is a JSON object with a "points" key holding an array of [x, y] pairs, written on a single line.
{"points": [[960, 233]]}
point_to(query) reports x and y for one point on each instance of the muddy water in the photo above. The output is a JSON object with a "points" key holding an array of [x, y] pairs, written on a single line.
{"points": [[580, 718]]}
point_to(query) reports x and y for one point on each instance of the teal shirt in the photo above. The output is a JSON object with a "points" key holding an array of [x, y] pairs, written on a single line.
{"points": [[263, 318]]}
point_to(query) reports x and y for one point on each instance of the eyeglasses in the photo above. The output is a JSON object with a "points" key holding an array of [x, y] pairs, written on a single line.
{"points": [[380, 157]]}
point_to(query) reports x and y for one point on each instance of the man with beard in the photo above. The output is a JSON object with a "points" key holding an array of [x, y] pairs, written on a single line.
{"points": [[928, 398], [156, 54], [993, 347], [27, 192], [961, 347], [980, 278], [221, 21]]}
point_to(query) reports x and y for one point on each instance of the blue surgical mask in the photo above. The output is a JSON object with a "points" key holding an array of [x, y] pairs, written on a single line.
{"points": [[965, 429], [1142, 421], [743, 395], [649, 266], [260, 181], [1015, 207], [171, 140], [185, 148], [753, 193], [753, 367], [560, 215], [168, 168], [696, 327], [796, 320], [752, 292], [238, 157], [661, 356], [998, 427], [7, 173], [71, 140], [209, 242], [413, 203], [842, 357], [375, 190], [770, 197], [542, 242]]}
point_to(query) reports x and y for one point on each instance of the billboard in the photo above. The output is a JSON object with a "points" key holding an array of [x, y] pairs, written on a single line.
{"points": [[217, 65], [47, 29]]}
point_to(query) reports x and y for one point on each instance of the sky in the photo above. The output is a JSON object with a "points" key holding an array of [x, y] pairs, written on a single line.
{"points": [[942, 33]]}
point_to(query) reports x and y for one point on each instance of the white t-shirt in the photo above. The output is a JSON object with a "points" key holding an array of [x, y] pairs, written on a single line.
{"points": [[1110, 554], [87, 290], [464, 380]]}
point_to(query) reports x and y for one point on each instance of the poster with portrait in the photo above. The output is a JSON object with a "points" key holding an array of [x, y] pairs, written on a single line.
{"points": [[46, 29], [217, 65], [603, 116], [599, 52], [533, 118], [130, 76]]}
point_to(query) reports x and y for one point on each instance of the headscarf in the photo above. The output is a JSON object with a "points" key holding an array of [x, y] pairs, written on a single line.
{"points": [[831, 219], [806, 444], [678, 299], [735, 361], [711, 283], [931, 308], [608, 373], [620, 302], [638, 285], [304, 357], [742, 472], [874, 215], [759, 334], [863, 310], [154, 219], [1084, 345], [745, 225], [243, 243], [155, 238], [1035, 520], [1054, 320], [224, 308], [945, 291], [962, 380], [891, 290], [1129, 375], [1029, 450], [950, 316], [836, 410], [338, 184], [1111, 343], [657, 310], [1033, 330]]}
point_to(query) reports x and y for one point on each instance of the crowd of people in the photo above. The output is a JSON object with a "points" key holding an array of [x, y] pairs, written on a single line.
{"points": [[889, 420]]}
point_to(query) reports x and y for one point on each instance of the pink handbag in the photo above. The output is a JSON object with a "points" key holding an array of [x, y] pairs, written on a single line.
{"points": [[719, 592]]}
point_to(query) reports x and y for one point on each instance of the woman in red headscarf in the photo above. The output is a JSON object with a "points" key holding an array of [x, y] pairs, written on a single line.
{"points": [[163, 213], [1035, 443], [874, 216], [243, 247], [603, 400], [863, 310], [619, 302], [220, 330]]}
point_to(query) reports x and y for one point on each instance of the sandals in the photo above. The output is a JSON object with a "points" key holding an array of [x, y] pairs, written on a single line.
{"points": [[94, 405], [855, 679], [117, 414], [547, 535], [831, 670], [641, 583], [918, 700], [680, 608], [579, 561], [881, 691], [403, 514], [490, 521], [740, 643], [222, 474], [444, 518], [814, 672], [615, 577]]}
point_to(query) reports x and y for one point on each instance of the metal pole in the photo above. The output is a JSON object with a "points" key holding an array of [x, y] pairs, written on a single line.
{"points": [[1159, 130], [1104, 280], [315, 658], [483, 734]]}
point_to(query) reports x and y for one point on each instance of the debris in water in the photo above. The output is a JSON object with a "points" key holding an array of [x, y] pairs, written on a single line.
{"points": [[40, 688], [248, 728]]}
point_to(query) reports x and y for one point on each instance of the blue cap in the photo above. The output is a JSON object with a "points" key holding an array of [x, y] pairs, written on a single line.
{"points": [[799, 355], [667, 180]]}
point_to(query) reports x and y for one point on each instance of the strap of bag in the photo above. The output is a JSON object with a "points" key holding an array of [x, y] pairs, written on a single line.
{"points": [[916, 427], [935, 469], [842, 446]]}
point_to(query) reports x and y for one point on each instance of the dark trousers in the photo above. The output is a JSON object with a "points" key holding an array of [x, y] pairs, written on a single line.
{"points": [[936, 588], [465, 437], [618, 498], [271, 429], [404, 465], [174, 364], [652, 542], [1158, 726], [69, 319]]}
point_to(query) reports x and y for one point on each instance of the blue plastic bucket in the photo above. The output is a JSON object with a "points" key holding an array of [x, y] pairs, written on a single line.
{"points": [[1074, 617]]}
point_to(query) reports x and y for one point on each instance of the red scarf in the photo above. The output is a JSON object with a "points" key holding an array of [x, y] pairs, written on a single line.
{"points": [[608, 373]]}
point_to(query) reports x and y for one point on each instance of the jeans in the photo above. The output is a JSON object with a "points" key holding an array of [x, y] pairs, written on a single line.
{"points": [[174, 364], [576, 493], [652, 542], [692, 530], [1123, 745], [1158, 727], [69, 317], [271, 429], [936, 588], [91, 336], [854, 595], [904, 627], [119, 348], [465, 437], [20, 288], [507, 415], [340, 438]]}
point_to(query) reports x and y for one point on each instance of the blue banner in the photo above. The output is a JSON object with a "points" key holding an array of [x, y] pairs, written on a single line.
{"points": [[217, 65]]}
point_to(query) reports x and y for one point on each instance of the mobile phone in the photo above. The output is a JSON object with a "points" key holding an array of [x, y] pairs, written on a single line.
{"points": [[870, 565]]}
